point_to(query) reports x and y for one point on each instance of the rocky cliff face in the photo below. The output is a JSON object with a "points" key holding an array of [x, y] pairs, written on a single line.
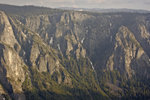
{"points": [[78, 55], [126, 50], [12, 73]]}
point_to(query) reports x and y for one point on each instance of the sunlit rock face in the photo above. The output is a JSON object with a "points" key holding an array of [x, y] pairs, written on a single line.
{"points": [[126, 50]]}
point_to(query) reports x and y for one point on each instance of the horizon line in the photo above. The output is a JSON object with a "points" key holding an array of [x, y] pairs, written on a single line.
{"points": [[76, 7]]}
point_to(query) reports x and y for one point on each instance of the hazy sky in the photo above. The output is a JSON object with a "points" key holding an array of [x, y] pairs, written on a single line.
{"points": [[133, 4]]}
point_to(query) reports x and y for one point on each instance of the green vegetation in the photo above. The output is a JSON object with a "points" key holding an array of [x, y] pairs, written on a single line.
{"points": [[42, 86]]}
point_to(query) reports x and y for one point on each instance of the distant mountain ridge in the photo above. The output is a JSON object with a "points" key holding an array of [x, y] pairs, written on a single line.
{"points": [[101, 10], [26, 9], [14, 9]]}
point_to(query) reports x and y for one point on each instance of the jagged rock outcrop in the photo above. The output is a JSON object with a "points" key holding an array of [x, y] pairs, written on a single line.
{"points": [[126, 50], [11, 65]]}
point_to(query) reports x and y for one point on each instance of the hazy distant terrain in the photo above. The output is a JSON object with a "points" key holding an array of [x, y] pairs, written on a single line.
{"points": [[69, 54], [106, 10]]}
